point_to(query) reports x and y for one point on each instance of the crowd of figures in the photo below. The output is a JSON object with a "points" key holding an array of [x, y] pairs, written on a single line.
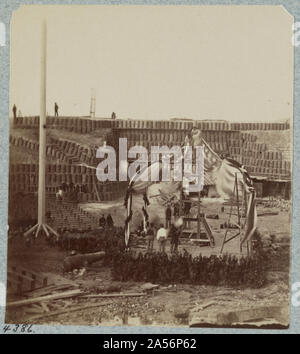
{"points": [[107, 237], [110, 240], [158, 267], [226, 270], [70, 191]]}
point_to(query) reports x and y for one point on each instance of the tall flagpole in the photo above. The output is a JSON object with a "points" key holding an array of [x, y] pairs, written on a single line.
{"points": [[42, 142], [42, 148]]}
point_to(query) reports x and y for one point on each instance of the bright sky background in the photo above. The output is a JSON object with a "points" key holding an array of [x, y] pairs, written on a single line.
{"points": [[156, 62]]}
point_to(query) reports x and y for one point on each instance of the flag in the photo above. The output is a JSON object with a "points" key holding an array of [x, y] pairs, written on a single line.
{"points": [[144, 210], [128, 218], [224, 178], [251, 219], [142, 179], [139, 184], [223, 171]]}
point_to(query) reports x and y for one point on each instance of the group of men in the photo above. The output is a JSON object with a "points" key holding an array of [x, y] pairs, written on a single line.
{"points": [[162, 235], [106, 222], [169, 213], [56, 107], [71, 191], [14, 110], [71, 187]]}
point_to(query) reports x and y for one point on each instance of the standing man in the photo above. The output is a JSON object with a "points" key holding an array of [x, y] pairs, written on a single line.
{"points": [[175, 233], [59, 194], [176, 210], [102, 221], [56, 109], [187, 206], [168, 216], [14, 109], [109, 221], [161, 237], [150, 237]]}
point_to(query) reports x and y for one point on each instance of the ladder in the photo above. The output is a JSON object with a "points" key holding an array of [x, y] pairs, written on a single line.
{"points": [[201, 237]]}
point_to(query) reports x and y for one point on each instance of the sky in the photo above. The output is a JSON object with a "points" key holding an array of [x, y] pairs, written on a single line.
{"points": [[232, 63]]}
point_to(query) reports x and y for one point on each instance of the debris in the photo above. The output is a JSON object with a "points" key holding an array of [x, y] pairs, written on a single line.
{"points": [[181, 313], [57, 296], [66, 310], [275, 246], [112, 288], [103, 289], [95, 269], [259, 313], [229, 225], [45, 307], [48, 290], [204, 306], [149, 286], [268, 213], [261, 317], [81, 272], [213, 216], [36, 310], [113, 295], [271, 323]]}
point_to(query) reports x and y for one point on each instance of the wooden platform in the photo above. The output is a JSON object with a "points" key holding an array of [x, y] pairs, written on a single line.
{"points": [[21, 280]]}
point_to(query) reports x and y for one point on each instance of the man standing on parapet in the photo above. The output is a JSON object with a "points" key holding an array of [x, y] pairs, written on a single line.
{"points": [[56, 109], [14, 109]]}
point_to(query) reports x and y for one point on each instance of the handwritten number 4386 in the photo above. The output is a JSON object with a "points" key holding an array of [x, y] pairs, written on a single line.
{"points": [[17, 328]]}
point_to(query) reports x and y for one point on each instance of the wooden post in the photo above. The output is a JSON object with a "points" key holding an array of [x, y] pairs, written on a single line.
{"points": [[144, 218], [237, 199], [127, 230], [96, 189], [198, 217], [229, 218], [180, 202]]}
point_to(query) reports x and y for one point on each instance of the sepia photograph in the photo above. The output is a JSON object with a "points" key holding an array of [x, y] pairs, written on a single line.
{"points": [[150, 166]]}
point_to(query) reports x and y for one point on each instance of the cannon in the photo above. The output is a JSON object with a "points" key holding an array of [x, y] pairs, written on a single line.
{"points": [[81, 260]]}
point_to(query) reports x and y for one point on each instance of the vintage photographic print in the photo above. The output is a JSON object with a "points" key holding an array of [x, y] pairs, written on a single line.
{"points": [[150, 166]]}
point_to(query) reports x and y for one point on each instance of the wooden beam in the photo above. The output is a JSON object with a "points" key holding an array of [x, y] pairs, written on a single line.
{"points": [[114, 295], [58, 296]]}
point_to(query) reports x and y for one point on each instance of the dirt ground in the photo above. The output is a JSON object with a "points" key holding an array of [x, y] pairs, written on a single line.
{"points": [[164, 305]]}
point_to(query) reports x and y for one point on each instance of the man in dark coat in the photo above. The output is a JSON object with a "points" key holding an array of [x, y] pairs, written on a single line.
{"points": [[102, 221], [174, 233], [168, 216], [150, 236], [109, 221], [176, 210], [56, 109], [14, 109]]}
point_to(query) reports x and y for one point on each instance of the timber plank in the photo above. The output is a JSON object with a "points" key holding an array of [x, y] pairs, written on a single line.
{"points": [[66, 294]]}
